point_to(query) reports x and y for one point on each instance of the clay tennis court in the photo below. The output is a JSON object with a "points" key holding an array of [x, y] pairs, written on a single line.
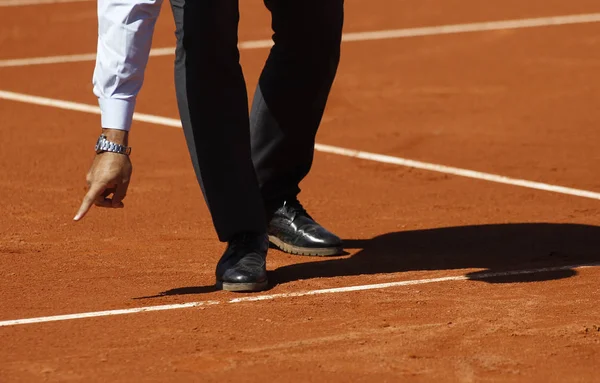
{"points": [[450, 276]]}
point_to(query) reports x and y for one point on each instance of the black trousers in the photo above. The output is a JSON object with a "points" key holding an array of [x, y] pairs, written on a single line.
{"points": [[247, 163]]}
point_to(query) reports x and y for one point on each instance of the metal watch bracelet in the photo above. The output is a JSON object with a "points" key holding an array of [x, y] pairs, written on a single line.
{"points": [[104, 145]]}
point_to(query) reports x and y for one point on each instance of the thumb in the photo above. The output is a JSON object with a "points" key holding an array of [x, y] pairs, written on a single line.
{"points": [[95, 190], [120, 194]]}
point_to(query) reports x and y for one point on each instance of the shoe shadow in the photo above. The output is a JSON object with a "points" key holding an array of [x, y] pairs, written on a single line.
{"points": [[191, 290], [497, 248]]}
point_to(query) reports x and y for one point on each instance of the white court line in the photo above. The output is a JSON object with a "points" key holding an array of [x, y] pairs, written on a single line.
{"points": [[456, 171], [255, 298], [356, 36], [68, 105], [166, 121], [19, 3]]}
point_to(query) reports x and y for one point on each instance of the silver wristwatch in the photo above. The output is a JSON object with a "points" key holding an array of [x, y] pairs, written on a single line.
{"points": [[104, 145]]}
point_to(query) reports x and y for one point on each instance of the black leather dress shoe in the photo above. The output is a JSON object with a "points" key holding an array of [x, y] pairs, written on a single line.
{"points": [[243, 266], [294, 231]]}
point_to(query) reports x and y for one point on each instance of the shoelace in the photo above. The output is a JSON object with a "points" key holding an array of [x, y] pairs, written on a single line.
{"points": [[296, 208]]}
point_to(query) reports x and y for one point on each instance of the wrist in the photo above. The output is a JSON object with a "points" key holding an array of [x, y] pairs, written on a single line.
{"points": [[117, 136]]}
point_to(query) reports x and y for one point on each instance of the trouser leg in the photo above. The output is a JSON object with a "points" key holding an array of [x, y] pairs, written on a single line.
{"points": [[213, 105], [292, 92]]}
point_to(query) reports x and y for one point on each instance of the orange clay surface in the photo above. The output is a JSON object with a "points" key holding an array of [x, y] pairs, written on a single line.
{"points": [[521, 103]]}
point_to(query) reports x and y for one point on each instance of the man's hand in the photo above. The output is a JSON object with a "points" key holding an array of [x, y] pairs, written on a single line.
{"points": [[109, 174]]}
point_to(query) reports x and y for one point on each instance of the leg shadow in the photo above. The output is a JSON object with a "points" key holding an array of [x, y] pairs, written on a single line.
{"points": [[497, 248]]}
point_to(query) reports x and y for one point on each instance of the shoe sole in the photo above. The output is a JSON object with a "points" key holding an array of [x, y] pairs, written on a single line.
{"points": [[313, 251], [243, 287]]}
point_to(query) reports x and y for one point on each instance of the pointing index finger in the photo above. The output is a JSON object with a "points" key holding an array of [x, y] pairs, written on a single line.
{"points": [[95, 190]]}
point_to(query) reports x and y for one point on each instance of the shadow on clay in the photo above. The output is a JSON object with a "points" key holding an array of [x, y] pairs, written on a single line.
{"points": [[495, 248], [183, 291]]}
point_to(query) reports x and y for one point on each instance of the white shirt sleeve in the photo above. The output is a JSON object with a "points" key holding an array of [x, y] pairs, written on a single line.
{"points": [[125, 30]]}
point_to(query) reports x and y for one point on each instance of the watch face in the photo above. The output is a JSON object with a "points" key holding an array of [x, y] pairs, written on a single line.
{"points": [[98, 144]]}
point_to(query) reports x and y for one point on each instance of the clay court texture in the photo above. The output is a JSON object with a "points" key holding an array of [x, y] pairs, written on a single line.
{"points": [[458, 158]]}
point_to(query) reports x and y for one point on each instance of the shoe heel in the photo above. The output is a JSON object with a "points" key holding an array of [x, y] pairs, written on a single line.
{"points": [[243, 287]]}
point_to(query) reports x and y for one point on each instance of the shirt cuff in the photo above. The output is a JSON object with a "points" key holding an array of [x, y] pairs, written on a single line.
{"points": [[116, 113]]}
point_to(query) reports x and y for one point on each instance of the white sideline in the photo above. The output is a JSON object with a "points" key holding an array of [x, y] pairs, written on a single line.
{"points": [[355, 36], [456, 171], [166, 121], [255, 298], [19, 3]]}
